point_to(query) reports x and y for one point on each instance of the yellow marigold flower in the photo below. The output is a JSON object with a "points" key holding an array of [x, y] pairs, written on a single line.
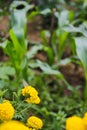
{"points": [[6, 111], [85, 120], [13, 125], [74, 123], [31, 95], [34, 122]]}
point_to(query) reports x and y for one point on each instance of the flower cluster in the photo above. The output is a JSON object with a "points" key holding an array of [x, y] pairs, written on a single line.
{"points": [[7, 112], [76, 123], [31, 95]]}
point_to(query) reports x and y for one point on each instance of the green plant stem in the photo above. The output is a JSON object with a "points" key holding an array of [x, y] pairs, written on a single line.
{"points": [[52, 27], [25, 109], [85, 89]]}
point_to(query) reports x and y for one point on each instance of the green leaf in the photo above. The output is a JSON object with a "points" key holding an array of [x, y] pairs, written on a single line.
{"points": [[45, 11], [18, 16], [18, 21], [31, 53], [2, 83], [33, 14], [45, 68], [50, 71], [50, 54], [4, 44], [81, 49], [63, 18], [45, 35], [81, 29], [6, 71], [18, 48]]}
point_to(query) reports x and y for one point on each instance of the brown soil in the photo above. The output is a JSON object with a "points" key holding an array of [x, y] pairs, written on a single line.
{"points": [[4, 26], [73, 74], [34, 29]]}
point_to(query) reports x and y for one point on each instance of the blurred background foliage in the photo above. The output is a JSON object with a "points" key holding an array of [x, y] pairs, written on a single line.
{"points": [[60, 75]]}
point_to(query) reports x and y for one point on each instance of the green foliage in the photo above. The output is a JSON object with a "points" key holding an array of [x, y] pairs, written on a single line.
{"points": [[16, 47], [58, 97], [6, 71], [56, 40], [81, 49]]}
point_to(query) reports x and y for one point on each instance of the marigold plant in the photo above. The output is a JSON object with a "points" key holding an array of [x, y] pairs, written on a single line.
{"points": [[7, 112]]}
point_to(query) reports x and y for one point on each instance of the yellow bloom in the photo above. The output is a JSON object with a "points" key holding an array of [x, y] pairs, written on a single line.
{"points": [[6, 111], [13, 125], [31, 95], [74, 123], [85, 120], [34, 122]]}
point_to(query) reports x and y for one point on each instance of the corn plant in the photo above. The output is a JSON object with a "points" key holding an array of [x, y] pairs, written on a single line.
{"points": [[58, 37], [81, 48], [16, 47]]}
